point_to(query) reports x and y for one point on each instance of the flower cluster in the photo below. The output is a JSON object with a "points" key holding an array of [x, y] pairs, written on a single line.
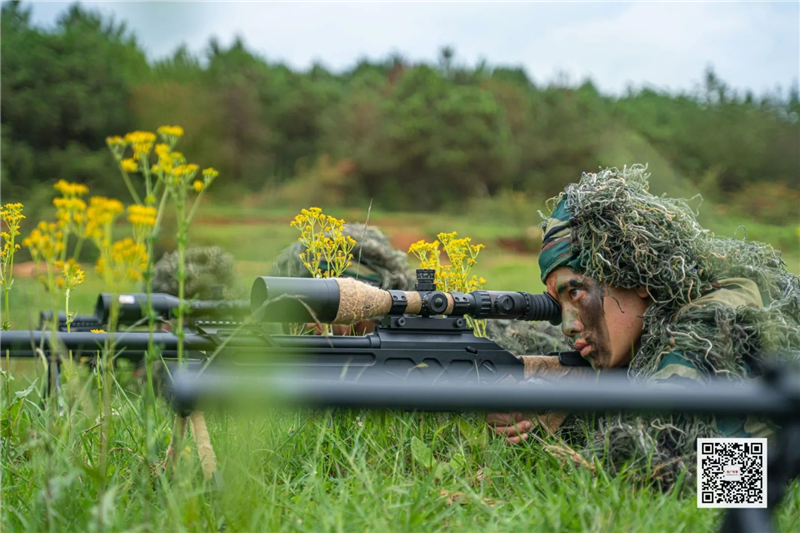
{"points": [[124, 263], [170, 167], [70, 207], [461, 255], [143, 219], [141, 142], [70, 274], [45, 242], [170, 134], [321, 236], [11, 216], [70, 190], [100, 217], [455, 276]]}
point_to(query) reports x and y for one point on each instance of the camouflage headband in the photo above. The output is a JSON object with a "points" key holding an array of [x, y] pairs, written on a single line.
{"points": [[557, 249]]}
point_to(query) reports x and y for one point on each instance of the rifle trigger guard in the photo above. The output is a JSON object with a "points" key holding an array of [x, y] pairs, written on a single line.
{"points": [[399, 302]]}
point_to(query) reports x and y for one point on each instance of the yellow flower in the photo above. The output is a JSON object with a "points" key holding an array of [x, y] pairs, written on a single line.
{"points": [[117, 146], [162, 150], [170, 131], [210, 173], [97, 331], [71, 274], [70, 189], [129, 165], [321, 236], [11, 214], [143, 218], [100, 215], [125, 262], [142, 214], [69, 211], [45, 242], [198, 185], [142, 142]]}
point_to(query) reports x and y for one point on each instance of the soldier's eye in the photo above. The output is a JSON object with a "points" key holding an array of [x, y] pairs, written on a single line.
{"points": [[574, 293]]}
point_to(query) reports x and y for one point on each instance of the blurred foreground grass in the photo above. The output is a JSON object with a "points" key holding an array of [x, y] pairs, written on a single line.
{"points": [[302, 470]]}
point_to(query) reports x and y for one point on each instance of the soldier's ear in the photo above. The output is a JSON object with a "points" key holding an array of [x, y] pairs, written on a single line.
{"points": [[642, 293]]}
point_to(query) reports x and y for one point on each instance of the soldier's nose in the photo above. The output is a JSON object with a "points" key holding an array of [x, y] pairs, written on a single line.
{"points": [[570, 326]]}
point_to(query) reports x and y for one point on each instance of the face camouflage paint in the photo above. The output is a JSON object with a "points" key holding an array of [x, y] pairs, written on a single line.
{"points": [[603, 323]]}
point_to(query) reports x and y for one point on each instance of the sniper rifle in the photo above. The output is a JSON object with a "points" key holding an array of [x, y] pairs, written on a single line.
{"points": [[424, 332]]}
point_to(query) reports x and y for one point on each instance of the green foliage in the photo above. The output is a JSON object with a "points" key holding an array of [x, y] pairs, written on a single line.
{"points": [[410, 136], [63, 91]]}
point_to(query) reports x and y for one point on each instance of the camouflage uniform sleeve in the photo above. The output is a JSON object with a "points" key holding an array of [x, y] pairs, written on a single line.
{"points": [[660, 448], [676, 370]]}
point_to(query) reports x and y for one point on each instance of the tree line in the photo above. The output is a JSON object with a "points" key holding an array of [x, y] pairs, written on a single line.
{"points": [[410, 136]]}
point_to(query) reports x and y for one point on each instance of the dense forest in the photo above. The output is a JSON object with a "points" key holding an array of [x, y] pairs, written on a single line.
{"points": [[409, 136]]}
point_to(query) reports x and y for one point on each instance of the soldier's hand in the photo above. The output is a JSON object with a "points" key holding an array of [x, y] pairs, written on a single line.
{"points": [[513, 426]]}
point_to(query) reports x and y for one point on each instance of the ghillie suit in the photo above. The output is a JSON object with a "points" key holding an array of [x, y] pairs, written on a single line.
{"points": [[720, 307], [374, 260], [208, 269], [526, 338]]}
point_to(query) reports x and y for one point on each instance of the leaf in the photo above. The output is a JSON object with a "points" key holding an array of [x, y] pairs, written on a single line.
{"points": [[24, 393], [441, 470], [458, 463], [421, 453], [104, 511]]}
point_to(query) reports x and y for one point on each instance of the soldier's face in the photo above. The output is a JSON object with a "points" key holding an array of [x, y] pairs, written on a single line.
{"points": [[604, 323]]}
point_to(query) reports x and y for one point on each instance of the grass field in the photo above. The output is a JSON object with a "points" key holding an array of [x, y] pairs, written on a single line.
{"points": [[301, 470]]}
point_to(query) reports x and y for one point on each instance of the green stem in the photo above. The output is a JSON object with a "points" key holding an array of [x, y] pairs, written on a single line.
{"points": [[5, 293], [149, 396], [107, 362], [78, 247], [8, 274], [66, 310], [181, 205], [147, 178], [195, 205], [129, 185]]}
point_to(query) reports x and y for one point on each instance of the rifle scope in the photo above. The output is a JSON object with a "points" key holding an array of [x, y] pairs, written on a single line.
{"points": [[133, 306], [347, 301]]}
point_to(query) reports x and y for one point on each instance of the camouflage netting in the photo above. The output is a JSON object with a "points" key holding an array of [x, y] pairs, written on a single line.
{"points": [[207, 268], [382, 265], [626, 237]]}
